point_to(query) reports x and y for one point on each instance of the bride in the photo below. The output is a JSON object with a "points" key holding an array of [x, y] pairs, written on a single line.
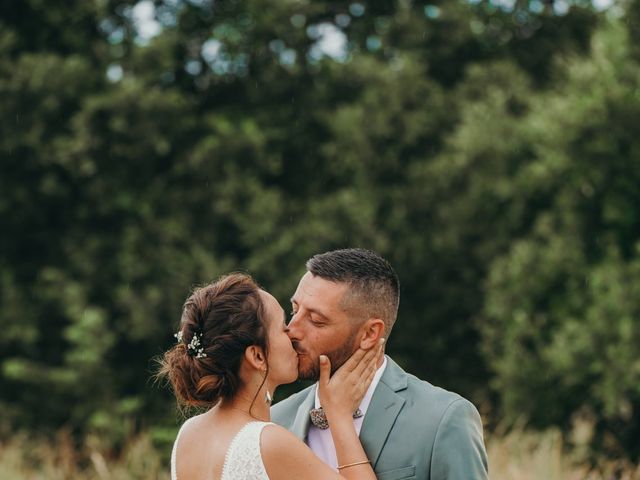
{"points": [[232, 353]]}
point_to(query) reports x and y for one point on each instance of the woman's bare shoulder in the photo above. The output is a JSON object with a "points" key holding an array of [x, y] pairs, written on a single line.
{"points": [[191, 425], [201, 433], [276, 440]]}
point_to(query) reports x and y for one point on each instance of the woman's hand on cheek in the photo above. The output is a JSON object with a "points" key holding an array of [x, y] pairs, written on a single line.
{"points": [[341, 394]]}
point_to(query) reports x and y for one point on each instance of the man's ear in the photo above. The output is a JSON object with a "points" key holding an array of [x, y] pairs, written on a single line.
{"points": [[256, 357], [372, 330]]}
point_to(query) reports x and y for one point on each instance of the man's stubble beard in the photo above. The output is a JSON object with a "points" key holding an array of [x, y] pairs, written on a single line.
{"points": [[337, 357]]}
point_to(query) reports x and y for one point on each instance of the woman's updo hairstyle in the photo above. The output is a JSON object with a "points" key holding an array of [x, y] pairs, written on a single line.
{"points": [[227, 316]]}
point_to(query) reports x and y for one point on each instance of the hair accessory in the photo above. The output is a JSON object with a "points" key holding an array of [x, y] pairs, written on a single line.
{"points": [[194, 347]]}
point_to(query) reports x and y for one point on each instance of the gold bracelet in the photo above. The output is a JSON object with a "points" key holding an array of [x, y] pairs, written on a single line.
{"points": [[353, 464]]}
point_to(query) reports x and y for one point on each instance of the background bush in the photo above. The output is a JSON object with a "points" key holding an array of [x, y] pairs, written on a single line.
{"points": [[487, 149]]}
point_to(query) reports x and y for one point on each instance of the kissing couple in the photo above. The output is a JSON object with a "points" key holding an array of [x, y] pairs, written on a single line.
{"points": [[364, 418]]}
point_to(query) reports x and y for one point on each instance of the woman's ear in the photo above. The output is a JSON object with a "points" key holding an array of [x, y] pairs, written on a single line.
{"points": [[256, 357], [372, 330]]}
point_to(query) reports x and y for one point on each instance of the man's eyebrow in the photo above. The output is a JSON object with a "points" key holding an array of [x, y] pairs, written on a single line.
{"points": [[317, 312], [312, 310]]}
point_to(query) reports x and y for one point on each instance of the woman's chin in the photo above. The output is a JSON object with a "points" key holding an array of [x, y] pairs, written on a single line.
{"points": [[292, 377]]}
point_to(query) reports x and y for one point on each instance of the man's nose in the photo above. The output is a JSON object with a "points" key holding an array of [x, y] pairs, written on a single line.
{"points": [[293, 329]]}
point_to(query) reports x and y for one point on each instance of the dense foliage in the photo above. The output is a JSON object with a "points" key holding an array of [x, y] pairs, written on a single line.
{"points": [[488, 149]]}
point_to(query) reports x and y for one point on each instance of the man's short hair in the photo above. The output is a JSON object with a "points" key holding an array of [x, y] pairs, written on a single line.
{"points": [[374, 288]]}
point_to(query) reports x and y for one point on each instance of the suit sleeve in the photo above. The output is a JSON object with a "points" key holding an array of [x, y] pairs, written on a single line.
{"points": [[459, 452]]}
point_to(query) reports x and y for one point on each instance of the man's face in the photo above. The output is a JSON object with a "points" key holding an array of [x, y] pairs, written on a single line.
{"points": [[319, 325]]}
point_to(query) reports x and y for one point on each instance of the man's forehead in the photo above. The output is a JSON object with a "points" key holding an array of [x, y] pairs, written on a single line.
{"points": [[315, 288]]}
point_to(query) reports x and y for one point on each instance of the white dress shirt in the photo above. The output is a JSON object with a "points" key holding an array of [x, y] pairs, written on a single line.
{"points": [[321, 442]]}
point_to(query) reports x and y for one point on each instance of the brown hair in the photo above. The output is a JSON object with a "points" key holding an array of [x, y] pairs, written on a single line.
{"points": [[229, 316]]}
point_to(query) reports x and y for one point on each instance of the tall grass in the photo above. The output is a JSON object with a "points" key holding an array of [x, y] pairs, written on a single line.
{"points": [[24, 457], [527, 455], [517, 455]]}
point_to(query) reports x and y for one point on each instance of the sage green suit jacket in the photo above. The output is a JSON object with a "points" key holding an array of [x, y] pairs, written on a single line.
{"points": [[412, 429]]}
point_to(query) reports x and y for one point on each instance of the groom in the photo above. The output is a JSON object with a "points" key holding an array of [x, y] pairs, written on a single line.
{"points": [[409, 428]]}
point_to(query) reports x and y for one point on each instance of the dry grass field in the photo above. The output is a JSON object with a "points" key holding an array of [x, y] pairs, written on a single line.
{"points": [[539, 456], [513, 456]]}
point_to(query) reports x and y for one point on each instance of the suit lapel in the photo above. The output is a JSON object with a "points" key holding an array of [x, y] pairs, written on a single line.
{"points": [[301, 422], [383, 410]]}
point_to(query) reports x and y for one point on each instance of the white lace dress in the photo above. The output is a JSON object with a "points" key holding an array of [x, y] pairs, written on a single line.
{"points": [[243, 459]]}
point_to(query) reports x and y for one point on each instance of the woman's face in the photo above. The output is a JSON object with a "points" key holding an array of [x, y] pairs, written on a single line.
{"points": [[283, 360]]}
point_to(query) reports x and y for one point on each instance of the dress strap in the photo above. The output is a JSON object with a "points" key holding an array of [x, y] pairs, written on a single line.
{"points": [[243, 459]]}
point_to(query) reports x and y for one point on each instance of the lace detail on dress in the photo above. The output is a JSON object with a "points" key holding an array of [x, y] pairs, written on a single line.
{"points": [[243, 459], [174, 476]]}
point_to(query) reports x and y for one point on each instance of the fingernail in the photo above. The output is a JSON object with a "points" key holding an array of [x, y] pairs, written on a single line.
{"points": [[323, 359]]}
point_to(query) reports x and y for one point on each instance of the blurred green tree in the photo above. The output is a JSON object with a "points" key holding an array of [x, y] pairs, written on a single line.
{"points": [[250, 135], [562, 300]]}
